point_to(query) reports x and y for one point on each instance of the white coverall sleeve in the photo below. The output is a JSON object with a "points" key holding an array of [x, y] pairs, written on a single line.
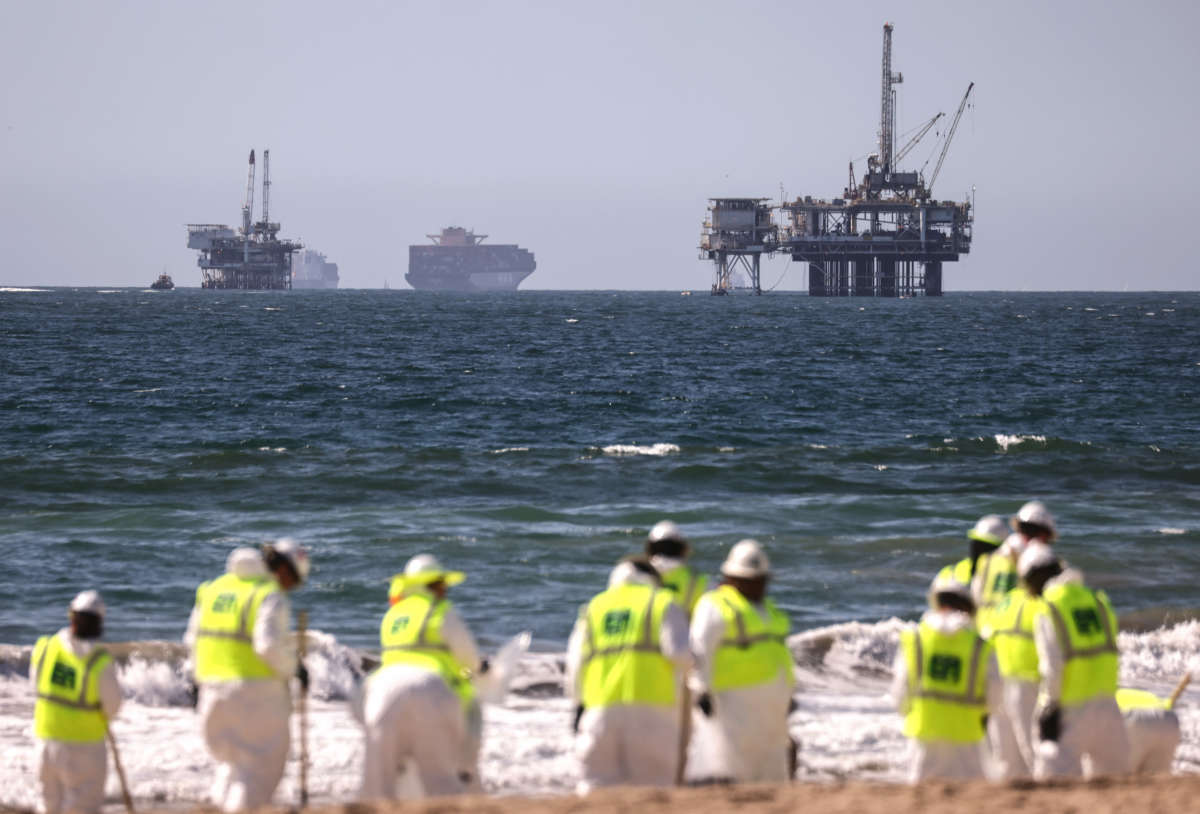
{"points": [[995, 687], [459, 639], [899, 689], [110, 691], [574, 666], [673, 636], [1050, 660], [708, 626], [272, 639]]}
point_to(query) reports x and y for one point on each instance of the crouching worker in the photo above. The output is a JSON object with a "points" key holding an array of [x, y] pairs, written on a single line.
{"points": [[1153, 730], [243, 656], [625, 662], [743, 677], [419, 708], [77, 695], [945, 683]]}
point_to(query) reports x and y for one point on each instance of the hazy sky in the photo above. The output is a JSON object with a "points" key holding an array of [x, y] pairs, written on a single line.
{"points": [[589, 133]]}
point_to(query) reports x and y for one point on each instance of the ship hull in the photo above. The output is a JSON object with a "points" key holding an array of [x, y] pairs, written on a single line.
{"points": [[468, 268]]}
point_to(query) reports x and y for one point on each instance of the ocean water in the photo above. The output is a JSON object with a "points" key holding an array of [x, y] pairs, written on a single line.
{"points": [[530, 439]]}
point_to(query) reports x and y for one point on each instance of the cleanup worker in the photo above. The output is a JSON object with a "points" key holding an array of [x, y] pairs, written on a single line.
{"points": [[996, 573], [1075, 633], [743, 677], [420, 705], [626, 657], [945, 682], [1152, 728], [668, 551], [75, 682], [243, 656], [985, 537]]}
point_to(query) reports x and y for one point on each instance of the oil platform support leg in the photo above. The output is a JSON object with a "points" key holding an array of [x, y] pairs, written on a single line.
{"points": [[933, 278], [864, 276], [887, 278], [754, 278], [816, 280]]}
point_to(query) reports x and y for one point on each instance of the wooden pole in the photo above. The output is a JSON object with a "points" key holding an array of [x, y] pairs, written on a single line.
{"points": [[685, 730], [112, 744], [1179, 688], [302, 650]]}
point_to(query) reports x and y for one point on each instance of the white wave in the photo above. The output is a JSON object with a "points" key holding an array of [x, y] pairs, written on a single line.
{"points": [[149, 390], [505, 450], [726, 449], [638, 449], [571, 320], [272, 449], [1005, 441], [1170, 530], [13, 290]]}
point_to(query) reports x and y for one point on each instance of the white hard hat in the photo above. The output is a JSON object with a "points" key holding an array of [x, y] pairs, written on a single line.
{"points": [[990, 528], [665, 530], [1037, 555], [89, 602], [627, 572], [295, 554], [424, 569], [1036, 513], [746, 559], [949, 585]]}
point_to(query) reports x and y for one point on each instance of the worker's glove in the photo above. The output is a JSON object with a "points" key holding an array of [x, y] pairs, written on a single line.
{"points": [[302, 676], [578, 715], [1050, 723], [484, 666], [983, 719], [193, 694], [705, 704]]}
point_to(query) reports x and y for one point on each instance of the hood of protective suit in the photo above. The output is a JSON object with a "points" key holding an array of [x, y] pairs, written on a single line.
{"points": [[663, 564], [946, 621], [1015, 545], [626, 573], [1070, 576], [246, 563]]}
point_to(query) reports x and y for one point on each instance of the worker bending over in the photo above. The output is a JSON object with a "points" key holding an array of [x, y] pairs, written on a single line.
{"points": [[743, 677], [420, 705], [626, 657], [75, 682], [243, 657], [945, 682], [1075, 633], [996, 572], [1152, 728], [983, 539], [668, 551]]}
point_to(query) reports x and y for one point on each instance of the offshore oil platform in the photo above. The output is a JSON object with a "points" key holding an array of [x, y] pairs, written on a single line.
{"points": [[886, 236], [253, 257]]}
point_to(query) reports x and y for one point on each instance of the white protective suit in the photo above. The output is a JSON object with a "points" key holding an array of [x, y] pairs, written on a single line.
{"points": [[1153, 738], [1094, 728], [73, 774], [749, 726], [634, 744], [945, 760], [410, 714], [245, 721]]}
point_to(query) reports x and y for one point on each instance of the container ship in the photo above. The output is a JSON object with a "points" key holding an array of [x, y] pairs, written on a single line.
{"points": [[457, 261], [310, 269]]}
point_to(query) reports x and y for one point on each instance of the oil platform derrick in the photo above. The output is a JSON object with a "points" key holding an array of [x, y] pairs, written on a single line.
{"points": [[252, 257], [886, 236]]}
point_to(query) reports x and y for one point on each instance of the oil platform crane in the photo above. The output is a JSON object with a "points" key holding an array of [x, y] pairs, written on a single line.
{"points": [[885, 237], [253, 257], [950, 135]]}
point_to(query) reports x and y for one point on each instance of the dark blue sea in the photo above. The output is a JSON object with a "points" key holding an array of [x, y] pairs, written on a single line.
{"points": [[530, 439]]}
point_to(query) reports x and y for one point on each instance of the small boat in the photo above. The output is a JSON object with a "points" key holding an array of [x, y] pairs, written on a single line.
{"points": [[163, 283]]}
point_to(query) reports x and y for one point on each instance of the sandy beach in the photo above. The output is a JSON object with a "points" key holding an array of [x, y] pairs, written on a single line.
{"points": [[1105, 796]]}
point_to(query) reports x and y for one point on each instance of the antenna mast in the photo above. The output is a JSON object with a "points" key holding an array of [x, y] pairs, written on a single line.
{"points": [[248, 206], [887, 113], [267, 186]]}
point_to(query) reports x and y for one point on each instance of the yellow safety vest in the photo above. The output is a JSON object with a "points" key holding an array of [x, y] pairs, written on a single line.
{"points": [[959, 572], [225, 638], [1012, 633], [1087, 633], [68, 693], [686, 585], [622, 655], [997, 575], [752, 651], [411, 633], [947, 684], [1130, 699]]}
